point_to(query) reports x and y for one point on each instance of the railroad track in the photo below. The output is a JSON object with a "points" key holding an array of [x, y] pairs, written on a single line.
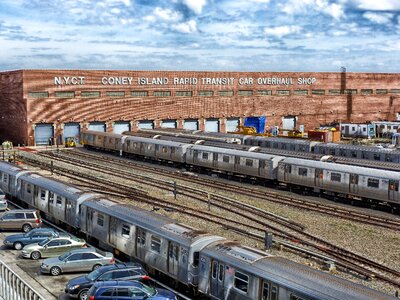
{"points": [[342, 256]]}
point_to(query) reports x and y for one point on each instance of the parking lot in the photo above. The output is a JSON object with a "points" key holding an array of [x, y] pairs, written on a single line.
{"points": [[50, 287]]}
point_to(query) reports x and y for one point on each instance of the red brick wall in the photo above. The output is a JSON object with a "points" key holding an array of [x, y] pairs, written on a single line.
{"points": [[311, 110]]}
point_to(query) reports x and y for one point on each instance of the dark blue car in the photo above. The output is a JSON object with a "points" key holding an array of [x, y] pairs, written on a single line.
{"points": [[124, 290], [36, 235]]}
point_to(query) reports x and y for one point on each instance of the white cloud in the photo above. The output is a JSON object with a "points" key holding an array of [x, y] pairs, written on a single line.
{"points": [[281, 31], [292, 7], [167, 14], [379, 18], [195, 5], [186, 27], [377, 4]]}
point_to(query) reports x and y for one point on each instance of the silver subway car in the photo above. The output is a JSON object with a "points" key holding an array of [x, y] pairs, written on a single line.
{"points": [[158, 241], [357, 182], [102, 140], [281, 143], [234, 161], [232, 272], [9, 174]]}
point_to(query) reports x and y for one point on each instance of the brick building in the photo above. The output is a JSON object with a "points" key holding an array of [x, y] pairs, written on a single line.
{"points": [[38, 105]]}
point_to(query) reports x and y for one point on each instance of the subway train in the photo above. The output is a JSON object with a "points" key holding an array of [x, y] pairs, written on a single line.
{"points": [[359, 183], [209, 264], [288, 144]]}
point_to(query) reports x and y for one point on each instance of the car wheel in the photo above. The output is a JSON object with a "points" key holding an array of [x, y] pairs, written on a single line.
{"points": [[18, 246], [83, 295], [55, 271], [26, 228], [95, 267], [35, 255]]}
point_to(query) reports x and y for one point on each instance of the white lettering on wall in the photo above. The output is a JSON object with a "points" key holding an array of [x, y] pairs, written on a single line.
{"points": [[116, 80], [306, 81], [154, 80], [69, 80]]}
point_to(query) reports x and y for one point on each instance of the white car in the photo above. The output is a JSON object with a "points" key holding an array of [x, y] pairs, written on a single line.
{"points": [[3, 201]]}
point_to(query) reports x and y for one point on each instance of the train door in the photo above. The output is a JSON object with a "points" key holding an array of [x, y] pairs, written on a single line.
{"points": [[217, 279], [237, 164], [215, 160], [141, 243], [393, 190], [287, 171], [89, 221], [261, 168], [354, 183], [70, 212], [173, 258], [269, 291], [113, 231], [319, 176]]}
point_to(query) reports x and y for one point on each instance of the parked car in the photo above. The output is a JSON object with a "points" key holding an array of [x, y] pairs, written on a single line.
{"points": [[36, 235], [123, 290], [78, 287], [3, 201], [78, 260], [52, 247], [18, 219]]}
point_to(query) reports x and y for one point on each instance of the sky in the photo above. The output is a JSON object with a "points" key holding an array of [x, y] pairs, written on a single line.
{"points": [[211, 35]]}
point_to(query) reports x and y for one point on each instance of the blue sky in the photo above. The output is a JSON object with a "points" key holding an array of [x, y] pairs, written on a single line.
{"points": [[226, 35]]}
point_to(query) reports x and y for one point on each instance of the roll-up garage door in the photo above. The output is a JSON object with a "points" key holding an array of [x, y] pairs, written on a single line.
{"points": [[72, 130], [212, 125], [146, 125], [289, 123], [232, 124], [191, 124], [97, 126], [43, 133], [168, 124], [120, 127]]}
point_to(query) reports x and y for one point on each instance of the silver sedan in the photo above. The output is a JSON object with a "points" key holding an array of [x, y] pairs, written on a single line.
{"points": [[79, 260]]}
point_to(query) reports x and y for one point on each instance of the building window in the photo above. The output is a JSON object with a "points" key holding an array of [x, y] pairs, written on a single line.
{"points": [[245, 93], [125, 231], [155, 244], [206, 93], [225, 93], [350, 91], [249, 162], [300, 92], [381, 91], [139, 94], [282, 92], [100, 220], [38, 95], [184, 93], [334, 92], [241, 282], [115, 94], [366, 92], [395, 91], [65, 94], [90, 94], [336, 177], [264, 92], [162, 94], [302, 171], [373, 183], [318, 92]]}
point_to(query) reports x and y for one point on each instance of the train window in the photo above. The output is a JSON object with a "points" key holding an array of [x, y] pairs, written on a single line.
{"points": [[241, 281], [125, 231], [288, 168], [59, 200], [164, 149], [148, 147], [336, 177], [394, 185], [221, 273], [214, 269], [43, 195], [155, 244], [353, 179], [196, 257], [302, 171], [373, 183], [100, 220], [141, 239], [172, 150], [265, 292], [353, 153], [319, 174], [205, 155], [274, 293], [28, 188], [51, 197], [364, 155], [342, 152], [5, 178], [225, 159], [295, 297], [249, 162]]}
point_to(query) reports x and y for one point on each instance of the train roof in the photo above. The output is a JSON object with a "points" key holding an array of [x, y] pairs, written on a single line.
{"points": [[281, 140], [109, 134], [364, 171], [62, 189], [156, 141], [10, 168], [228, 151], [358, 147], [295, 276], [162, 225]]}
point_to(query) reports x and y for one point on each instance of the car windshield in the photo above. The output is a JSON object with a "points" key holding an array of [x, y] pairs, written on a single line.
{"points": [[28, 234], [93, 275], [149, 290], [42, 243], [64, 256]]}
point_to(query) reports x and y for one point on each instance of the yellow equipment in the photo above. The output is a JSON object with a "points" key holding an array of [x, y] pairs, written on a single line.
{"points": [[70, 142]]}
